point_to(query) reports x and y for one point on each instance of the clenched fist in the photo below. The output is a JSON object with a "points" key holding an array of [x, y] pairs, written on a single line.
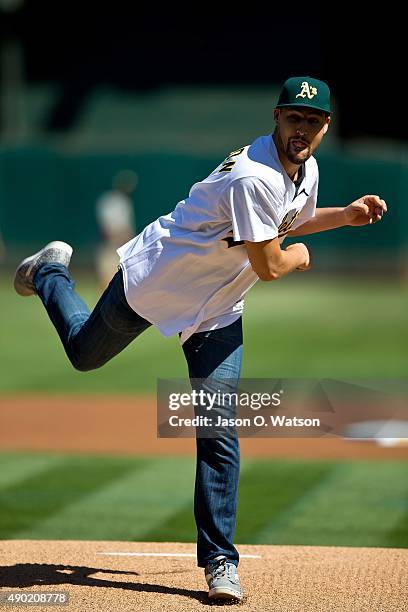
{"points": [[367, 209]]}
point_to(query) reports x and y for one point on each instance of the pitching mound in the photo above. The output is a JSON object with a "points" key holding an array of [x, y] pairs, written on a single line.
{"points": [[123, 576]]}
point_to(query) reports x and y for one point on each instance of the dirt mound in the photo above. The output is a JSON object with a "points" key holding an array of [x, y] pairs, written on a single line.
{"points": [[141, 577]]}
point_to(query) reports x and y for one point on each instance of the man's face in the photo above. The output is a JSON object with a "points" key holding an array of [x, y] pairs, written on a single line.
{"points": [[299, 132]]}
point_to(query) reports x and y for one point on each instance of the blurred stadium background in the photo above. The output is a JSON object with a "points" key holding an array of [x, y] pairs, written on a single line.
{"points": [[167, 97]]}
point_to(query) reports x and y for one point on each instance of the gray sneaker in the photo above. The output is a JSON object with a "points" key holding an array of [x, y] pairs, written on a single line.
{"points": [[222, 578], [56, 251]]}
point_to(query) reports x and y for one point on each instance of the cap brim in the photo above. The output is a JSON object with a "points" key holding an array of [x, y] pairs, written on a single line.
{"points": [[324, 110]]}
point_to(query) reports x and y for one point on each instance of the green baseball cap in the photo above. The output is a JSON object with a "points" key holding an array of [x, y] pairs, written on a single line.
{"points": [[305, 91]]}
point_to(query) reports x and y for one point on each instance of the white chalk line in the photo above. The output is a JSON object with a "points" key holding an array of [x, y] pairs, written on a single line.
{"points": [[159, 554]]}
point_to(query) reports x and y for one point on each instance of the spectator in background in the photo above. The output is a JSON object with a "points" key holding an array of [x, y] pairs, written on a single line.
{"points": [[116, 221]]}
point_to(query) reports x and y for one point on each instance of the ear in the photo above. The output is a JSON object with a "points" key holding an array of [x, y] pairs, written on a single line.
{"points": [[326, 125], [276, 114]]}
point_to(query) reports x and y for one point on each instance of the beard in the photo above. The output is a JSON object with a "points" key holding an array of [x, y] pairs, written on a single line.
{"points": [[297, 157]]}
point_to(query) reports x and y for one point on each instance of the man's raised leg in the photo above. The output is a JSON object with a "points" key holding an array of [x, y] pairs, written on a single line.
{"points": [[89, 339]]}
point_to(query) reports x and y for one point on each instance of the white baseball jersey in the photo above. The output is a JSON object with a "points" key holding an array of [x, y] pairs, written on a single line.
{"points": [[188, 271]]}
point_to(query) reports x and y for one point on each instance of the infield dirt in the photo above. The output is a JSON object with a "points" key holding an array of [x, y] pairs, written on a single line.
{"points": [[127, 424]]}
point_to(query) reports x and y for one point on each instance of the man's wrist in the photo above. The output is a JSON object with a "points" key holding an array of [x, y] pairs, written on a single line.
{"points": [[343, 216]]}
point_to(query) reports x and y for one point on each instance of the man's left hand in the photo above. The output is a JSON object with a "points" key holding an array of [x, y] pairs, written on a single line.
{"points": [[367, 209]]}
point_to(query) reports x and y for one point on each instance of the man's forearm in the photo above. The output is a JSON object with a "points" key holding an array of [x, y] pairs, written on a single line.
{"points": [[324, 219]]}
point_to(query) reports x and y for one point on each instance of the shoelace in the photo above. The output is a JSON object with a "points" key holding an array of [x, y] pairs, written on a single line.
{"points": [[222, 568]]}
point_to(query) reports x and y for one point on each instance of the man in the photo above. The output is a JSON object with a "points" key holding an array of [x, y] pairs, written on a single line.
{"points": [[116, 221], [187, 273]]}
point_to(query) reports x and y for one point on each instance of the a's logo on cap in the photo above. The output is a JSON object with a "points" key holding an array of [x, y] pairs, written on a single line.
{"points": [[307, 91]]}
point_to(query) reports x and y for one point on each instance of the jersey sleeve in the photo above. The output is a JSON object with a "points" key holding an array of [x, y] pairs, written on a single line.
{"points": [[253, 208]]}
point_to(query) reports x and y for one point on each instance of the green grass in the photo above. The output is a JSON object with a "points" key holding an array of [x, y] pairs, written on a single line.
{"points": [[297, 327], [51, 496]]}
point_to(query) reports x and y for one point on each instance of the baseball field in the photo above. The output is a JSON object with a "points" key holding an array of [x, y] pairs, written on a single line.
{"points": [[92, 503]]}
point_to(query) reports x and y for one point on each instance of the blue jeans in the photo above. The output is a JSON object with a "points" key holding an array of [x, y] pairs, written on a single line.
{"points": [[214, 363]]}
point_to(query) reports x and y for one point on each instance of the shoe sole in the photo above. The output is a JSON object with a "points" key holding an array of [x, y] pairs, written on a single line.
{"points": [[19, 283], [224, 593]]}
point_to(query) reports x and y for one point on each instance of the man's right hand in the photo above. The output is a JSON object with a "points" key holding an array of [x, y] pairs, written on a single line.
{"points": [[304, 253], [271, 263]]}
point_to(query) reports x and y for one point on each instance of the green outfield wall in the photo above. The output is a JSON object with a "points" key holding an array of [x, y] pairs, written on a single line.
{"points": [[46, 194]]}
